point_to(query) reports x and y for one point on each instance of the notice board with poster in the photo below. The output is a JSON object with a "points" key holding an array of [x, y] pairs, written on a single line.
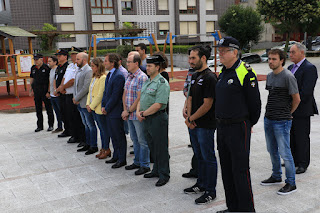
{"points": [[24, 62]]}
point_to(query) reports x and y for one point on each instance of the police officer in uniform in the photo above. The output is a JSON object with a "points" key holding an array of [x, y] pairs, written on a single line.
{"points": [[238, 108], [151, 112], [39, 81]]}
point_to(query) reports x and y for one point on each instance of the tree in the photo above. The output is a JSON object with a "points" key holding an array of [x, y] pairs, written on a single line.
{"points": [[242, 23], [290, 15], [128, 26]]}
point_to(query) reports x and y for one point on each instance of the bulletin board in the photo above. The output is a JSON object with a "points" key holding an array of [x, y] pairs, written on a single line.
{"points": [[24, 62]]}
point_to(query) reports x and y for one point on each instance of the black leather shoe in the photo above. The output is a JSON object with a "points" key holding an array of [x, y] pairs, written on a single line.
{"points": [[112, 160], [142, 171], [150, 175], [63, 135], [118, 165], [38, 129], [57, 130], [85, 148], [300, 170], [189, 175], [72, 140], [223, 211], [131, 152], [91, 150], [161, 182], [50, 129], [81, 144], [132, 166]]}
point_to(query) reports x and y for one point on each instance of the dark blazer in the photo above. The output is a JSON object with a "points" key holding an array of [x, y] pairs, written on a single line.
{"points": [[112, 95], [306, 76]]}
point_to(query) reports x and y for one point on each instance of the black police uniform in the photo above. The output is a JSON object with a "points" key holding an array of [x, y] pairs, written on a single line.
{"points": [[40, 87], [60, 71], [238, 108]]}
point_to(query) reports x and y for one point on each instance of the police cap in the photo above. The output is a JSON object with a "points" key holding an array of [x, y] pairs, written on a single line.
{"points": [[155, 59], [37, 56], [62, 52], [229, 42]]}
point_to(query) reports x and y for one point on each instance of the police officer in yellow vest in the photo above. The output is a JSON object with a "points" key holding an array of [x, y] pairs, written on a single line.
{"points": [[238, 108], [151, 111]]}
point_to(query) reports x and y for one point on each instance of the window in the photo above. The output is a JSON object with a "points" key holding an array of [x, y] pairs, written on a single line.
{"points": [[68, 27], [66, 4], [163, 28], [209, 4], [101, 7], [188, 27], [2, 5], [163, 4], [210, 26], [126, 4], [187, 6], [104, 26], [243, 0]]}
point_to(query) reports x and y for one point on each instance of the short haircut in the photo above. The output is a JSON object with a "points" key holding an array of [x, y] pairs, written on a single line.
{"points": [[101, 69], [279, 52], [114, 58], [137, 58], [301, 47], [142, 47], [163, 65], [54, 59], [202, 51]]}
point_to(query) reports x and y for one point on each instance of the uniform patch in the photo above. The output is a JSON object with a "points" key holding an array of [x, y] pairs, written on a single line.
{"points": [[252, 79], [150, 89], [253, 84], [230, 81], [192, 82], [43, 70], [162, 80]]}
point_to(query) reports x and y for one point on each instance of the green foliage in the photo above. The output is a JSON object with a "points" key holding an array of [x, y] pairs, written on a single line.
{"points": [[125, 33], [45, 39], [290, 15], [123, 50], [242, 23]]}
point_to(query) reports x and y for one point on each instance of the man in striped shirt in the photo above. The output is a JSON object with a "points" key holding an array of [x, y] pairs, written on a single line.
{"points": [[283, 100], [130, 99]]}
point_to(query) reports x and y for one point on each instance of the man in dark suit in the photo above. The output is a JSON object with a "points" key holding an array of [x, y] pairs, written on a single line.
{"points": [[112, 107], [306, 75]]}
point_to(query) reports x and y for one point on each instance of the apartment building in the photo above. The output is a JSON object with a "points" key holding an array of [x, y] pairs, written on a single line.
{"points": [[196, 18]]}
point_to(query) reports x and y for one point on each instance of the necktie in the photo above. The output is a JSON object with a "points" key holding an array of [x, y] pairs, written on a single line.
{"points": [[108, 77], [294, 68]]}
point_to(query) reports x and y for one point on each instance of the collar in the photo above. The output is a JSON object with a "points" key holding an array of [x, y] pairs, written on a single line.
{"points": [[300, 62], [156, 78], [234, 66], [132, 75], [112, 70], [81, 69]]}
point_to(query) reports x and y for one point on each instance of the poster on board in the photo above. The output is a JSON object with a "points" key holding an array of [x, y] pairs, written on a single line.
{"points": [[24, 63]]}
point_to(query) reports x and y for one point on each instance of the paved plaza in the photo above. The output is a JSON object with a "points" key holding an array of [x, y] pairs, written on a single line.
{"points": [[40, 172]]}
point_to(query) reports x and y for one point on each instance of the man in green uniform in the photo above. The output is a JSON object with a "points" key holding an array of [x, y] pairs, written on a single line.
{"points": [[151, 112]]}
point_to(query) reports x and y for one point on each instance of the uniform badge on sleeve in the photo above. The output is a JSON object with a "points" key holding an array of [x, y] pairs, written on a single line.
{"points": [[253, 84], [230, 81]]}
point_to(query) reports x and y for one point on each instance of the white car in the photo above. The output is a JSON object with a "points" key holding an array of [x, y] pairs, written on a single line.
{"points": [[210, 61]]}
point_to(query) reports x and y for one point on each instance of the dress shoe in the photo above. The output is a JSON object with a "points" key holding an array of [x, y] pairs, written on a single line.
{"points": [[91, 150], [85, 148], [57, 130], [223, 211], [105, 154], [81, 144], [38, 129], [300, 170], [112, 160], [189, 175], [162, 182], [63, 135], [72, 140], [132, 152], [131, 146], [50, 129], [189, 146], [132, 166], [101, 151], [118, 165], [150, 175], [142, 171]]}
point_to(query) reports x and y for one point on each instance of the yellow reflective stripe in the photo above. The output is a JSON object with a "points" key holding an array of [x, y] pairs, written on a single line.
{"points": [[252, 79]]}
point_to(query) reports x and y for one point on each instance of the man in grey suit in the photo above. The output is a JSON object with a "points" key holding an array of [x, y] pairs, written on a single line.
{"points": [[81, 89]]}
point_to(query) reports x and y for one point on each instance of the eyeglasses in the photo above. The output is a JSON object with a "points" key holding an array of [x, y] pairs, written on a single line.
{"points": [[128, 62], [224, 51]]}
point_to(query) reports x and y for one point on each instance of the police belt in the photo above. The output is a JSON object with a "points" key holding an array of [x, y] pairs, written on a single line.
{"points": [[231, 121], [155, 114]]}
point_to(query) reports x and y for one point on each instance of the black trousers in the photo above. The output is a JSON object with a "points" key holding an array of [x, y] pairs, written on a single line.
{"points": [[39, 97], [234, 148], [155, 129], [63, 111], [74, 120], [300, 141]]}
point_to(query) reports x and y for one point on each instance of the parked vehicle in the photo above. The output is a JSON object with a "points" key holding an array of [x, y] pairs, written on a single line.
{"points": [[251, 58], [210, 61], [264, 57]]}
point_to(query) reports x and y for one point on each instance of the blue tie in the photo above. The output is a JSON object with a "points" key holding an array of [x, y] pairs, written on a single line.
{"points": [[108, 77]]}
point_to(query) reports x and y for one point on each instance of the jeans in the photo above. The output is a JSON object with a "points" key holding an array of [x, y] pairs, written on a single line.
{"points": [[140, 145], [278, 144], [104, 134], [202, 141], [89, 125], [55, 102]]}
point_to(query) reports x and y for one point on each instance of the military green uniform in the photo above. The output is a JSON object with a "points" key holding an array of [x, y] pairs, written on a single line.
{"points": [[155, 126]]}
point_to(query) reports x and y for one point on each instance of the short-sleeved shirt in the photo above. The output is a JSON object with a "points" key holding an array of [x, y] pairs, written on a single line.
{"points": [[40, 76], [52, 75], [132, 86], [280, 86], [155, 91], [203, 86], [70, 74], [60, 71]]}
